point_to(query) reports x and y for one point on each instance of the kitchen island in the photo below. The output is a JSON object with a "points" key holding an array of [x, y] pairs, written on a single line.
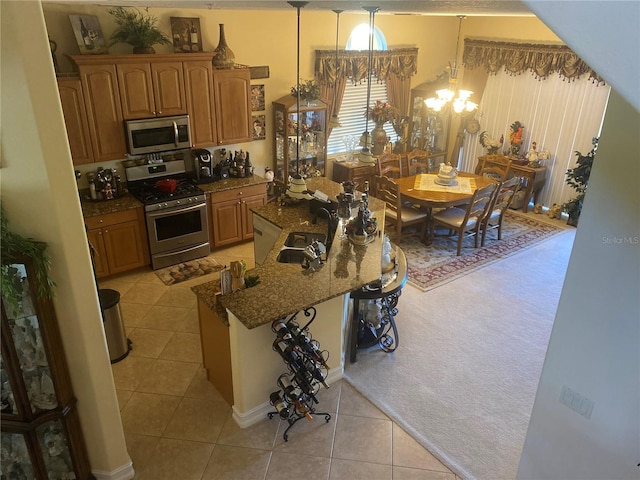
{"points": [[236, 328]]}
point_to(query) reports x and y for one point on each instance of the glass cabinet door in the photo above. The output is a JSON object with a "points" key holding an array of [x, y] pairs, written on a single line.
{"points": [[429, 130], [15, 458], [309, 158], [29, 346]]}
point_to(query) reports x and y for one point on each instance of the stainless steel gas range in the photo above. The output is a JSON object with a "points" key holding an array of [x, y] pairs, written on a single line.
{"points": [[176, 212]]}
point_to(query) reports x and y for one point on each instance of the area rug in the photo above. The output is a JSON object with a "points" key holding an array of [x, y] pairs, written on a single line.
{"points": [[188, 270], [437, 264], [463, 379]]}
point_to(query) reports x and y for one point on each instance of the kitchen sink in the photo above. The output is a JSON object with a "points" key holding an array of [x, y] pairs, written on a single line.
{"points": [[302, 239], [291, 255]]}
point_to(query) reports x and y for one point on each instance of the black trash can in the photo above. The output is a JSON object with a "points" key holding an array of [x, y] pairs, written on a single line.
{"points": [[117, 341]]}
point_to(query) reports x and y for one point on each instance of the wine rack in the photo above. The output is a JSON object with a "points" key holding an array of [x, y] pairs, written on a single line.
{"points": [[296, 397]]}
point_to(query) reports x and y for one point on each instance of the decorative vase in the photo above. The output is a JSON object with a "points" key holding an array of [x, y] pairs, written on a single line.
{"points": [[379, 139], [224, 57]]}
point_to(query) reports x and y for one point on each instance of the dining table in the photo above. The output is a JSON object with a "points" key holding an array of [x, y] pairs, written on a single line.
{"points": [[424, 190]]}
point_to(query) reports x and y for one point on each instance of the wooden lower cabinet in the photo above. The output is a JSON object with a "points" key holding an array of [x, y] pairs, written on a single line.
{"points": [[231, 217], [119, 241], [216, 351]]}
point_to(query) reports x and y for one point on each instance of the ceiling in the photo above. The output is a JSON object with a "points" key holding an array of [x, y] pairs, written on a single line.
{"points": [[394, 7]]}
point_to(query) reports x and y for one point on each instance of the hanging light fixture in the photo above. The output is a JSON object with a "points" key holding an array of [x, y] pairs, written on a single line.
{"points": [[460, 98], [334, 122], [297, 188], [365, 154]]}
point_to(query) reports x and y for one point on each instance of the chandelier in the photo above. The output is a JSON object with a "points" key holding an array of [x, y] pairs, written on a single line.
{"points": [[459, 99]]}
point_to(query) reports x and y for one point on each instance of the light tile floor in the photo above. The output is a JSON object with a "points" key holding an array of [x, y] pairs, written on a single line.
{"points": [[178, 427]]}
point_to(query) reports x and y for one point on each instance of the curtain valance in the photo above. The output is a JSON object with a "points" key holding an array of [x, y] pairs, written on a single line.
{"points": [[542, 60], [399, 62]]}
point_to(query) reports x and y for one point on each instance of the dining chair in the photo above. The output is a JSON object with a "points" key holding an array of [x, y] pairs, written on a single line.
{"points": [[390, 165], [465, 221], [505, 193], [397, 213], [418, 161], [498, 168]]}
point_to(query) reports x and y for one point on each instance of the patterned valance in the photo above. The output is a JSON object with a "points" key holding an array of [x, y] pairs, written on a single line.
{"points": [[399, 62], [541, 60]]}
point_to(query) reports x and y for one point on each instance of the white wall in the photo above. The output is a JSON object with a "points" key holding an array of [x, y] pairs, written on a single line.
{"points": [[594, 347], [40, 200]]}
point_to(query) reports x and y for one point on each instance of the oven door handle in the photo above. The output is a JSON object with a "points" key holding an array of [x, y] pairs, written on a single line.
{"points": [[186, 209], [175, 133]]}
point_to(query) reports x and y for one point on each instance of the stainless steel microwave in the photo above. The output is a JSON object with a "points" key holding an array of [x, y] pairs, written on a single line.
{"points": [[158, 134]]}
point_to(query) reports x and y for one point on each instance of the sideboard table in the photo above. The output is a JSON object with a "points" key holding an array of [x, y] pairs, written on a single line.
{"points": [[363, 335], [535, 178]]}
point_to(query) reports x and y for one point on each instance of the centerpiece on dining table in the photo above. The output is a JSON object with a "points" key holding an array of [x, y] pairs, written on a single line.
{"points": [[447, 175]]}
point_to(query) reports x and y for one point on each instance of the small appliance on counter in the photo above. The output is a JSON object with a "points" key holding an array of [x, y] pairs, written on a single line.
{"points": [[203, 166]]}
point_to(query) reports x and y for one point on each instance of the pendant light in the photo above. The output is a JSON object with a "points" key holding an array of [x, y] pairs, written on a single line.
{"points": [[461, 102], [334, 122], [365, 154], [297, 186]]}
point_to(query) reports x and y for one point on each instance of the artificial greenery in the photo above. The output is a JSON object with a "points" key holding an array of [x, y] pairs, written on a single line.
{"points": [[251, 280], [136, 29], [12, 246], [309, 90], [578, 179]]}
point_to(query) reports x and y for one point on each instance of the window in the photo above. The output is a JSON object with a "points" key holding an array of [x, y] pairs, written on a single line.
{"points": [[355, 96], [352, 114]]}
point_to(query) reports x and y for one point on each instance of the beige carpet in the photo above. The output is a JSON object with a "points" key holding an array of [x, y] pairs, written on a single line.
{"points": [[464, 376], [437, 264], [188, 270]]}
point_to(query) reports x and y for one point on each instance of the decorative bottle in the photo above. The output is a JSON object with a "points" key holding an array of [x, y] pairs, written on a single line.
{"points": [[224, 56], [248, 167]]}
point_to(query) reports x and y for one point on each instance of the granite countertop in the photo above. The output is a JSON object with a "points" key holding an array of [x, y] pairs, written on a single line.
{"points": [[287, 288], [92, 208]]}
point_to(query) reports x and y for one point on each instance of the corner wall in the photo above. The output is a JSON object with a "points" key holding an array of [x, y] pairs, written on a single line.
{"points": [[40, 200]]}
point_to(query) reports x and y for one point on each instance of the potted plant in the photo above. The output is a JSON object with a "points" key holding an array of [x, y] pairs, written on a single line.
{"points": [[137, 29], [578, 179]]}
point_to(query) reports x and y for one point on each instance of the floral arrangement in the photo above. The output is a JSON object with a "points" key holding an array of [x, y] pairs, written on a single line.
{"points": [[309, 90], [515, 138], [381, 112], [492, 145]]}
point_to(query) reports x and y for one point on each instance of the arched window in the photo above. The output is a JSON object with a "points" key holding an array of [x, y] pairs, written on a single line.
{"points": [[355, 95]]}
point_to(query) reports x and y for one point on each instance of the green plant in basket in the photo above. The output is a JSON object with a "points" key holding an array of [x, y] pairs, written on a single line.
{"points": [[137, 29]]}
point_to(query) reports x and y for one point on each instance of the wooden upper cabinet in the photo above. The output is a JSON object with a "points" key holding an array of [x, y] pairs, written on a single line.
{"points": [[198, 78], [232, 96], [75, 119], [154, 89], [104, 113], [168, 88]]}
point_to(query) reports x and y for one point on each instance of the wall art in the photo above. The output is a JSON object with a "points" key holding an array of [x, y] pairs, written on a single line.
{"points": [[186, 34], [89, 36], [259, 127], [257, 98]]}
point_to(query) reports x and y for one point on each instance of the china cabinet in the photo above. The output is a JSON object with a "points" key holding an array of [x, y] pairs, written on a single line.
{"points": [[429, 130], [41, 435], [313, 140]]}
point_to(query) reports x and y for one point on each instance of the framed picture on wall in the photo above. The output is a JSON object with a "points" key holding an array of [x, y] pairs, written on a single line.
{"points": [[88, 33], [259, 127], [186, 34], [257, 98]]}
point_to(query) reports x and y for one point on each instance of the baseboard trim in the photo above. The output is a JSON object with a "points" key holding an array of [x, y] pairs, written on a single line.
{"points": [[124, 472], [259, 413]]}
